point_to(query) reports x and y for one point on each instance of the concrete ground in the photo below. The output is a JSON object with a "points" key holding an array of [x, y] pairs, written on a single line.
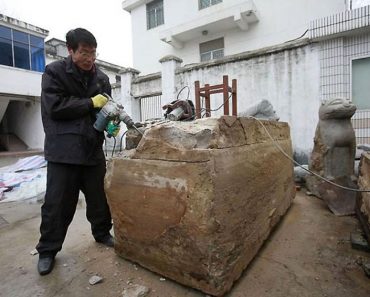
{"points": [[308, 254]]}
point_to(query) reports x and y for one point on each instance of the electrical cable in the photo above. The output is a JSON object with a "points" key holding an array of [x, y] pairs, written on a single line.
{"points": [[120, 142], [178, 94], [305, 32], [295, 162], [208, 111], [114, 146]]}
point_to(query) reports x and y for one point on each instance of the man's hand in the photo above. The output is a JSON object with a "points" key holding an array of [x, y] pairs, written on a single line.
{"points": [[112, 129], [99, 101]]}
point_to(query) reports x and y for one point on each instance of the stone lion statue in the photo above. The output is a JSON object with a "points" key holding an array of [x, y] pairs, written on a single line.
{"points": [[335, 142]]}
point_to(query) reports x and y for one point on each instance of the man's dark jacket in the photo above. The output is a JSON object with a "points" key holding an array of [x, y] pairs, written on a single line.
{"points": [[68, 114]]}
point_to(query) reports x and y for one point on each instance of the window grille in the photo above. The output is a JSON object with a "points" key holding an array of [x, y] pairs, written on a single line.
{"points": [[154, 14], [207, 3], [210, 50]]}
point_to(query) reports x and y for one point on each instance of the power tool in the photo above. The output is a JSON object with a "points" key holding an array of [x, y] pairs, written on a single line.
{"points": [[112, 111]]}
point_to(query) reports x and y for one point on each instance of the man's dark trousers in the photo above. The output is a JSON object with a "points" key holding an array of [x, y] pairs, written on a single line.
{"points": [[64, 181]]}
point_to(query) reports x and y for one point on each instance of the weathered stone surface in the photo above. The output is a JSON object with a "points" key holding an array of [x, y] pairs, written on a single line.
{"points": [[136, 291], [363, 211], [262, 110], [333, 156], [359, 242], [196, 200], [95, 279]]}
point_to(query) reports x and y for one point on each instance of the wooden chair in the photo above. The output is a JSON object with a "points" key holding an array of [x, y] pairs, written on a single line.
{"points": [[208, 90]]}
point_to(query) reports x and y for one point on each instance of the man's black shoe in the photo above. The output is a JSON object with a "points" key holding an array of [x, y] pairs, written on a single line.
{"points": [[45, 265], [107, 240]]}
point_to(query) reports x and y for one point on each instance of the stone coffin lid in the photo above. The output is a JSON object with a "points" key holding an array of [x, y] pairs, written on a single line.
{"points": [[194, 141]]}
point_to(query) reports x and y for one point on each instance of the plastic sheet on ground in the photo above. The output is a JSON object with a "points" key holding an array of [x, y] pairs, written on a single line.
{"points": [[26, 179]]}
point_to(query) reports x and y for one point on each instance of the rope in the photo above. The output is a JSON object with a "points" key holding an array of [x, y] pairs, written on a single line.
{"points": [[296, 163]]}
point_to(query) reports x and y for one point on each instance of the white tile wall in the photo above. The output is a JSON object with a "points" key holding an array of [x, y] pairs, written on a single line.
{"points": [[339, 23], [335, 64]]}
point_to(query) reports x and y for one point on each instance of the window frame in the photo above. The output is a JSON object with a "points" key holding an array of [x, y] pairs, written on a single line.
{"points": [[8, 39], [26, 44], [351, 73], [212, 51], [152, 11]]}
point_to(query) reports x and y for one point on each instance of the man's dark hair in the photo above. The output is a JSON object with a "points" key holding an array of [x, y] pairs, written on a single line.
{"points": [[79, 35]]}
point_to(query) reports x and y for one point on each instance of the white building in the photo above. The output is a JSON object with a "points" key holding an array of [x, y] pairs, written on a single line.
{"points": [[23, 56], [295, 53], [198, 30]]}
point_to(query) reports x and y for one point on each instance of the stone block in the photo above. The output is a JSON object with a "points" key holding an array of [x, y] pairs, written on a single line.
{"points": [[363, 201], [195, 201]]}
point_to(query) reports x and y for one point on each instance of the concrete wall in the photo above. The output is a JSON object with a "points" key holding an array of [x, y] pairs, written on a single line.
{"points": [[3, 106], [24, 118], [19, 81], [289, 79], [279, 21], [287, 76]]}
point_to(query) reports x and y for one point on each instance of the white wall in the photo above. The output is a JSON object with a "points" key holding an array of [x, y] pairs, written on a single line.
{"points": [[24, 122], [24, 118], [279, 21], [19, 81], [290, 80], [288, 77], [3, 106]]}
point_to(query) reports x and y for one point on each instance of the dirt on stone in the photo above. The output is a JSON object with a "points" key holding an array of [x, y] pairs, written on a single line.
{"points": [[308, 254]]}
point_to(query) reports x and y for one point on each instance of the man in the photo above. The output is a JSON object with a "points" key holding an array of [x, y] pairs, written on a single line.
{"points": [[71, 96]]}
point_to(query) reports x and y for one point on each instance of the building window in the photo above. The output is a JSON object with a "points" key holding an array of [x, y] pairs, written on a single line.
{"points": [[360, 83], [21, 50], [207, 3], [6, 52], [210, 50], [154, 14]]}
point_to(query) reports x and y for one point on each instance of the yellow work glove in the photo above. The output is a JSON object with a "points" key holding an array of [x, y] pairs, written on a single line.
{"points": [[99, 101]]}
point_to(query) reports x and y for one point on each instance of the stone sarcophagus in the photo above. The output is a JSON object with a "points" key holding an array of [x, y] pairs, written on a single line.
{"points": [[195, 201]]}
